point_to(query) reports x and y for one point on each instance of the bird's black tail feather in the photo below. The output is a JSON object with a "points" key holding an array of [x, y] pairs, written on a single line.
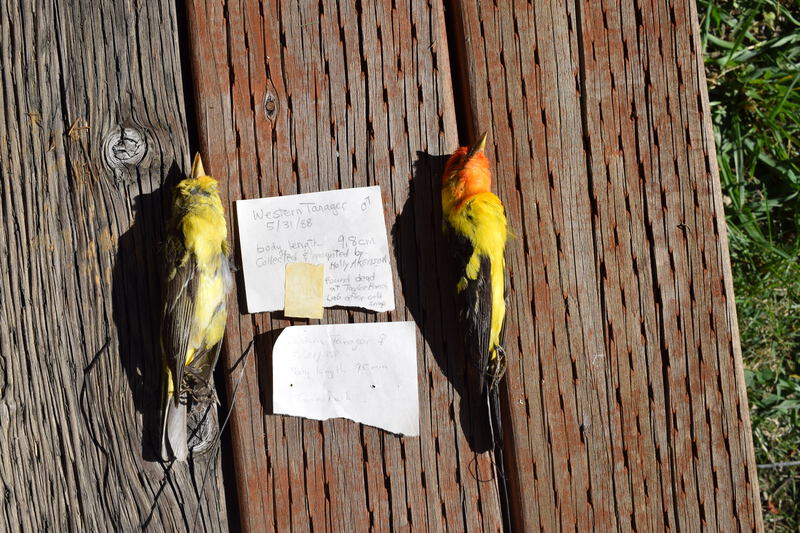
{"points": [[496, 429]]}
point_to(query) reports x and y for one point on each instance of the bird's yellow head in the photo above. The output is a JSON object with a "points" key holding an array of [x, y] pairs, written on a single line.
{"points": [[465, 174], [199, 184]]}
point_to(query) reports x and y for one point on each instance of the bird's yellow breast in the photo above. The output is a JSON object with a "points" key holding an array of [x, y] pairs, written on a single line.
{"points": [[204, 233], [210, 313], [481, 219]]}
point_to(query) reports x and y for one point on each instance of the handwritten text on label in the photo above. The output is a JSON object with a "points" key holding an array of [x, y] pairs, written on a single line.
{"points": [[344, 230]]}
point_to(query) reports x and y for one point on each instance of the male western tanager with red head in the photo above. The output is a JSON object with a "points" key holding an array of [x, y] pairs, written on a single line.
{"points": [[474, 223], [475, 226], [196, 284]]}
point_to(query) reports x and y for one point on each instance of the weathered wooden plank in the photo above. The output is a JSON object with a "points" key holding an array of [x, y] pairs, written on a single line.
{"points": [[521, 77], [305, 96], [625, 391], [92, 131]]}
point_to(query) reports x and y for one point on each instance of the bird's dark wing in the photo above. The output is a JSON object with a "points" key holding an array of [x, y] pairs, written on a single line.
{"points": [[474, 299], [180, 290], [475, 310]]}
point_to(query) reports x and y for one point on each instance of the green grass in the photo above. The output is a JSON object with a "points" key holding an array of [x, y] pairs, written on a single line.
{"points": [[752, 52]]}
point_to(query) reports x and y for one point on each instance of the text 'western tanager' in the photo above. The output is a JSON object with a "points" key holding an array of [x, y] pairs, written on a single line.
{"points": [[197, 279]]}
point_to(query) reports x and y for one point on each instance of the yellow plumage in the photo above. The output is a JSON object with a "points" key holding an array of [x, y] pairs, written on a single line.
{"points": [[197, 281], [482, 221], [475, 223]]}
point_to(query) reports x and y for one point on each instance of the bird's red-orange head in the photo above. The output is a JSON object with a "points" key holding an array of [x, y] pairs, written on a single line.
{"points": [[465, 174]]}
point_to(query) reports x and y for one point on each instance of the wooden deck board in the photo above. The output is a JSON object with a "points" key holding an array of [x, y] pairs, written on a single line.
{"points": [[624, 404], [363, 96], [93, 128], [633, 373]]}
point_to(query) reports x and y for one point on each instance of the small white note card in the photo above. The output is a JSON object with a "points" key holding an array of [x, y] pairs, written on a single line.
{"points": [[345, 230], [364, 372]]}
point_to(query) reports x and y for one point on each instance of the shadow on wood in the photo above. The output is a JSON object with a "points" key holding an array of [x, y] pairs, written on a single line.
{"points": [[238, 273], [421, 252], [137, 307], [263, 345]]}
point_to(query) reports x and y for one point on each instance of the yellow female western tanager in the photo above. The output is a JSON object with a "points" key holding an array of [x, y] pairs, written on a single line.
{"points": [[196, 284], [474, 223]]}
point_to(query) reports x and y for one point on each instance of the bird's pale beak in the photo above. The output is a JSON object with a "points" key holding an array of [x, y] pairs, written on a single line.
{"points": [[197, 167], [478, 146]]}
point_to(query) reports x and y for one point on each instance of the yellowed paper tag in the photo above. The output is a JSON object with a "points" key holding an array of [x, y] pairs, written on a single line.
{"points": [[304, 290]]}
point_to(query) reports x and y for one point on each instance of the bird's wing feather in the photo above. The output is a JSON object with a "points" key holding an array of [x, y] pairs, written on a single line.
{"points": [[204, 361], [474, 297], [475, 309], [173, 432], [180, 291]]}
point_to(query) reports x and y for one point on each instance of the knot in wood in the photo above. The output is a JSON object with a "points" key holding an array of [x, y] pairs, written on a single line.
{"points": [[123, 149], [270, 106]]}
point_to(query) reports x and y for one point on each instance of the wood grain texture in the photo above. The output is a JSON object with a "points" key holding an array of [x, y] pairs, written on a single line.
{"points": [[92, 130], [625, 389], [314, 95]]}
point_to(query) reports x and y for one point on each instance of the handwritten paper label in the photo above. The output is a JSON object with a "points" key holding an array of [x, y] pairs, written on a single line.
{"points": [[344, 230], [364, 372]]}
